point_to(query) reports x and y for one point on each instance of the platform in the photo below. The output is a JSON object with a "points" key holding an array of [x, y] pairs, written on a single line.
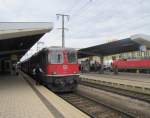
{"points": [[135, 82], [19, 99], [141, 77]]}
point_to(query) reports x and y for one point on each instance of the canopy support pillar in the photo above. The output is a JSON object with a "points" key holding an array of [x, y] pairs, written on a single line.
{"points": [[101, 71]]}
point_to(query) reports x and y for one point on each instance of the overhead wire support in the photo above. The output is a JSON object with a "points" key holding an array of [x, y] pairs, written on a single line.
{"points": [[63, 27]]}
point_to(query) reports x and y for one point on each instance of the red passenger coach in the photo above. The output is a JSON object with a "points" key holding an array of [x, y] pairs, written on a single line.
{"points": [[60, 66]]}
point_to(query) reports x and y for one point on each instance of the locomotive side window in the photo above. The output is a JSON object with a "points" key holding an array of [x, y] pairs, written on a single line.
{"points": [[72, 57], [56, 57]]}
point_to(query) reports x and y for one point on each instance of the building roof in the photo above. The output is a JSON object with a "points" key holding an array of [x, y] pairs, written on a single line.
{"points": [[18, 37], [120, 46]]}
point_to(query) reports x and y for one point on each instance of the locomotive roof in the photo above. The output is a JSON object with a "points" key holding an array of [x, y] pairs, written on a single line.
{"points": [[59, 48], [55, 48], [50, 48], [132, 43]]}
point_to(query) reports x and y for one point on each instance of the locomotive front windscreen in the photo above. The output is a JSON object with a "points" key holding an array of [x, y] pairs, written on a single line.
{"points": [[56, 57], [72, 57]]}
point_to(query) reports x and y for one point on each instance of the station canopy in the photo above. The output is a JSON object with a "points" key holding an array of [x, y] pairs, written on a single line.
{"points": [[16, 38], [134, 43]]}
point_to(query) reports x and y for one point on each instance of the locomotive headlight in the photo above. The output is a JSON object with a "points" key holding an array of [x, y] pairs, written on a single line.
{"points": [[75, 72], [59, 82]]}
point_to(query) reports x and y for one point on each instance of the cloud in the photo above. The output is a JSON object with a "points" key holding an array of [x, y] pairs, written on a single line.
{"points": [[91, 22]]}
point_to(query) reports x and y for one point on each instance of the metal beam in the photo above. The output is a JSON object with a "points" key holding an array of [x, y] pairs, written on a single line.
{"points": [[12, 51]]}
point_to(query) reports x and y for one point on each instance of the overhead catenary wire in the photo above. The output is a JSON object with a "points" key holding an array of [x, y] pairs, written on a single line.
{"points": [[63, 44], [101, 7], [84, 10], [124, 23], [81, 9], [74, 5]]}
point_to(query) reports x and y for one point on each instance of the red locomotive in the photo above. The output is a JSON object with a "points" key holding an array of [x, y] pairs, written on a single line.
{"points": [[140, 65], [60, 66]]}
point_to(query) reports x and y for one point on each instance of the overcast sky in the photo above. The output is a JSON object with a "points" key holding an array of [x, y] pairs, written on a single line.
{"points": [[91, 21]]}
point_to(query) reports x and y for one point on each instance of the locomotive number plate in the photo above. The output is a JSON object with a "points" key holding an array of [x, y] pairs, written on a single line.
{"points": [[65, 67]]}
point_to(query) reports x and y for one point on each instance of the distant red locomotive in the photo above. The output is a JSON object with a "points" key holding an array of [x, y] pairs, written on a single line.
{"points": [[142, 65], [60, 66]]}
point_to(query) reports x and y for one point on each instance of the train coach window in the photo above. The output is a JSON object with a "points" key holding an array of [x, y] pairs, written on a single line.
{"points": [[72, 57], [56, 57]]}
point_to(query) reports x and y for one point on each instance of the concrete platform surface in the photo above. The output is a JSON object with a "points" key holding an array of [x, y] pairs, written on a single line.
{"points": [[138, 83], [138, 80], [18, 100], [128, 76], [21, 98]]}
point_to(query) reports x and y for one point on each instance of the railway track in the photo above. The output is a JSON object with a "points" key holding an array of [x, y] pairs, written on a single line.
{"points": [[132, 94], [91, 107]]}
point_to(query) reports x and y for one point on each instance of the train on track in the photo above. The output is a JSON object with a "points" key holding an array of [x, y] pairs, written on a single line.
{"points": [[60, 67], [132, 65]]}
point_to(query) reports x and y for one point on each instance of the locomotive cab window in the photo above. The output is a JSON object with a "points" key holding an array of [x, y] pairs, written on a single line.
{"points": [[56, 57], [72, 57]]}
